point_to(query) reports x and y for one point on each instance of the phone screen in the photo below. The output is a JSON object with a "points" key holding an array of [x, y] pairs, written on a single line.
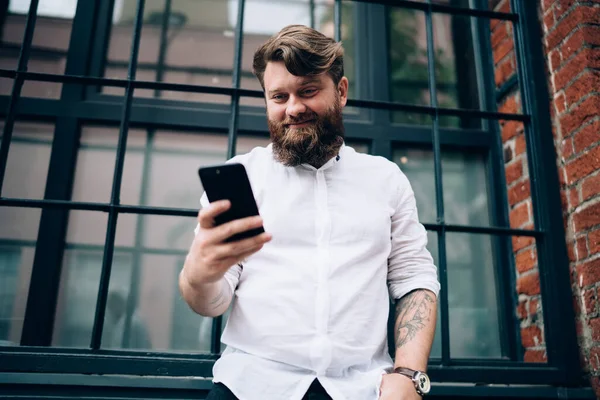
{"points": [[230, 182]]}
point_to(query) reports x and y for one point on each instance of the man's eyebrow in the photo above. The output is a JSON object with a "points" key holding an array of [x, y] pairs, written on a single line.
{"points": [[312, 79], [305, 81]]}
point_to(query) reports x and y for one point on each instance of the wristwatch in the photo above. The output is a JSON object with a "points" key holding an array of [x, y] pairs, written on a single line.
{"points": [[420, 379]]}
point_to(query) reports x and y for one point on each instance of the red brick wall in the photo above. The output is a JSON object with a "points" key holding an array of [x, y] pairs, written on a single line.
{"points": [[529, 310], [571, 37]]}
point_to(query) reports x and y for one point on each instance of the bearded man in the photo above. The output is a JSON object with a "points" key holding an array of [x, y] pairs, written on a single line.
{"points": [[310, 297]]}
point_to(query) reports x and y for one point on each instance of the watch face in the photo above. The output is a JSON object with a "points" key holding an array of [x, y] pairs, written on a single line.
{"points": [[423, 383]]}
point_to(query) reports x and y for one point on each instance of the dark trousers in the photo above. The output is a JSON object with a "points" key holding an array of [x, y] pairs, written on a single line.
{"points": [[221, 392]]}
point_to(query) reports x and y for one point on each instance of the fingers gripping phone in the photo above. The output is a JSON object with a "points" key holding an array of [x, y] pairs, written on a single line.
{"points": [[230, 182]]}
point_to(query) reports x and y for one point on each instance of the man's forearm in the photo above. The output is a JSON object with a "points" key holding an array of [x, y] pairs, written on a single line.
{"points": [[416, 315], [209, 300]]}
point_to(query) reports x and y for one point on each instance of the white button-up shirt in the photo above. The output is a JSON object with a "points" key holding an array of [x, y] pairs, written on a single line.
{"points": [[314, 301]]}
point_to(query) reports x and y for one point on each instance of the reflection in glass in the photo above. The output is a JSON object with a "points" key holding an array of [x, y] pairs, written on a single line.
{"points": [[28, 160], [464, 182], [455, 72], [472, 297], [18, 235], [51, 39]]}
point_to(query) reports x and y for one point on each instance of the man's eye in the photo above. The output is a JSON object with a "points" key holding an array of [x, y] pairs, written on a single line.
{"points": [[278, 97], [310, 91]]}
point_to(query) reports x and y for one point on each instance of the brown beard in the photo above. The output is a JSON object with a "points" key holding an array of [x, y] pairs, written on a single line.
{"points": [[314, 144]]}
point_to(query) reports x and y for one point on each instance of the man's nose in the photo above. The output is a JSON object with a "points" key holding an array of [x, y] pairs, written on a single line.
{"points": [[295, 107]]}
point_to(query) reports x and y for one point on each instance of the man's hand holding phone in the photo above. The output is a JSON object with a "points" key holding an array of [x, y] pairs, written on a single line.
{"points": [[210, 256]]}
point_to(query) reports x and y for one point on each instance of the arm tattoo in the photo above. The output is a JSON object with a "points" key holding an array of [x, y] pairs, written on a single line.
{"points": [[413, 311], [220, 298]]}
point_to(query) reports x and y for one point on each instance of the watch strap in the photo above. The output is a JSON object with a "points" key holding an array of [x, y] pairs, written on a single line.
{"points": [[405, 371]]}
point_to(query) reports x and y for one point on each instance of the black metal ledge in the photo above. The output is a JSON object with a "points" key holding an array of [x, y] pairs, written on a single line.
{"points": [[72, 386]]}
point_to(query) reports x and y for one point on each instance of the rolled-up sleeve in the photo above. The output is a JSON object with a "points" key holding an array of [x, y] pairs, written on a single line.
{"points": [[410, 265], [232, 276]]}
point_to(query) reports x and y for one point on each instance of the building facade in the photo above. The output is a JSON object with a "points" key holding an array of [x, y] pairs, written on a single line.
{"points": [[109, 108]]}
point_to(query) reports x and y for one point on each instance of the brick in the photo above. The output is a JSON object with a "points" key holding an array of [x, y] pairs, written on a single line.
{"points": [[549, 20], [574, 200], [531, 336], [504, 70], [519, 215], [503, 6], [529, 284], [547, 4], [564, 202], [559, 103], [520, 242], [520, 145], [579, 16], [499, 34], [588, 273], [589, 301], [594, 241], [590, 187], [571, 251], [583, 165], [582, 86], [586, 58], [588, 35], [594, 325], [555, 59], [587, 136], [582, 251], [511, 129], [514, 170], [535, 356], [519, 192], [503, 49], [568, 149], [533, 306], [587, 217], [522, 310], [509, 106], [526, 260], [594, 359], [576, 305]]}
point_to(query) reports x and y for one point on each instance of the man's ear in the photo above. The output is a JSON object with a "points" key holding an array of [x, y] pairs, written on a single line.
{"points": [[343, 90]]}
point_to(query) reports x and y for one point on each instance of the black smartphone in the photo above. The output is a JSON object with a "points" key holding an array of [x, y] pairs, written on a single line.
{"points": [[230, 182]]}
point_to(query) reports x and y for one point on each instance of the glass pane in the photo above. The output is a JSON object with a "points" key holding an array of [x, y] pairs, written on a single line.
{"points": [[94, 170], [80, 279], [6, 84], [196, 48], [455, 72], [28, 160], [168, 167], [18, 236], [483, 315], [464, 180], [417, 165], [464, 177], [472, 297], [146, 311], [408, 58], [51, 39]]}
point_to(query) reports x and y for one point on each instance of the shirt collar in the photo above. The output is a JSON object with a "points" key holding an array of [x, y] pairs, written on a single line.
{"points": [[332, 161]]}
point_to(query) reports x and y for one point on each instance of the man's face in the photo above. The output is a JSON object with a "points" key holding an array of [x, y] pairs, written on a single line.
{"points": [[304, 115]]}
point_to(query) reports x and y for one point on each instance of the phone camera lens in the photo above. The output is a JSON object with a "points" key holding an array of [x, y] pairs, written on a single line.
{"points": [[218, 171]]}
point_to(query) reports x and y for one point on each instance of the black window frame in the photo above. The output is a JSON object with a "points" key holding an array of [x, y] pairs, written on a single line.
{"points": [[80, 103]]}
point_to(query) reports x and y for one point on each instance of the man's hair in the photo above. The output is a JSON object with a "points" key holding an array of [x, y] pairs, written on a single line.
{"points": [[304, 51]]}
